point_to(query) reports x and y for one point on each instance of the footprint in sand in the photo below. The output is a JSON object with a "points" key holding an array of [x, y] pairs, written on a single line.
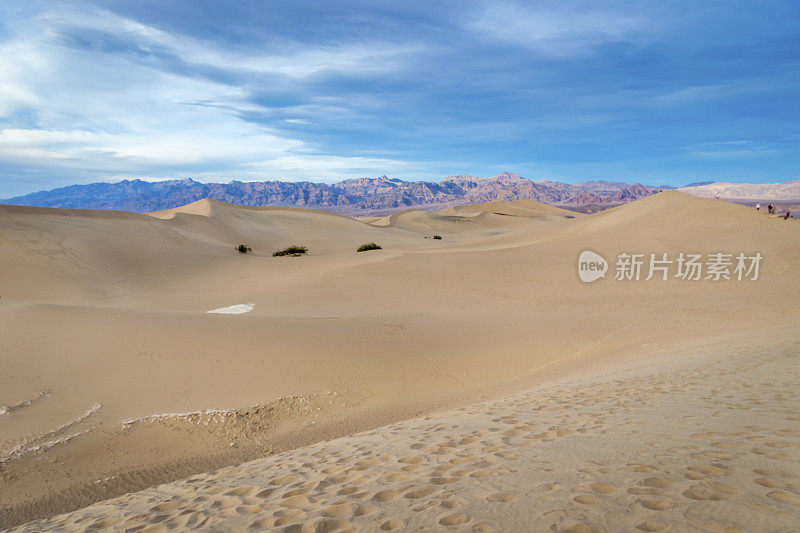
{"points": [[772, 473], [651, 526], [717, 527], [443, 480], [420, 492], [365, 509], [263, 523], [769, 483], [398, 476], [704, 471], [284, 480], [784, 497], [455, 519], [582, 528], [449, 504], [294, 502], [387, 495], [295, 492], [327, 524], [587, 499], [656, 504], [166, 507], [391, 525], [413, 460], [284, 520], [342, 510], [264, 494], [249, 509], [659, 483], [241, 491], [291, 514], [504, 497], [711, 491], [603, 488], [105, 523]]}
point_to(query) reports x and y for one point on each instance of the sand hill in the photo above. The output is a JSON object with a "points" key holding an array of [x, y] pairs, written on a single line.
{"points": [[472, 382], [787, 191]]}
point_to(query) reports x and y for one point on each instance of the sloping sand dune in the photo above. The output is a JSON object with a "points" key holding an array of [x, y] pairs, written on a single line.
{"points": [[474, 219], [700, 439], [786, 191], [110, 309], [519, 208]]}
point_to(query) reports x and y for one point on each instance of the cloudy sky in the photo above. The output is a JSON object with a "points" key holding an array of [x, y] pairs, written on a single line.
{"points": [[656, 92]]}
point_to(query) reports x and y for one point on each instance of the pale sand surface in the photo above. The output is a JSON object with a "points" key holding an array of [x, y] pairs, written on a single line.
{"points": [[115, 378], [787, 190], [698, 439]]}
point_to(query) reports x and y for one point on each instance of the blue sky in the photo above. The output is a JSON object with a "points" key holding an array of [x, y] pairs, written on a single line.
{"points": [[656, 92]]}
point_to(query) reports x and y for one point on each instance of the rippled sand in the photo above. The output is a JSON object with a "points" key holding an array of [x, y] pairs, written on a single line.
{"points": [[115, 378], [703, 439]]}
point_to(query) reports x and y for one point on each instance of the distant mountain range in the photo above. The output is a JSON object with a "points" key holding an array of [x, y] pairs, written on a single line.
{"points": [[365, 196], [380, 196]]}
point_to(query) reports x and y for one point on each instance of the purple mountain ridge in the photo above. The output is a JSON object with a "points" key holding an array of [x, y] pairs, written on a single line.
{"points": [[362, 196]]}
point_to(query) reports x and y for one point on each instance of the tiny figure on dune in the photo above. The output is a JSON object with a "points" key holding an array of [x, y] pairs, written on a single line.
{"points": [[788, 215], [758, 207], [717, 196], [770, 209]]}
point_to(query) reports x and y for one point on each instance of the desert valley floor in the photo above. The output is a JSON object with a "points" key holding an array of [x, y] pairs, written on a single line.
{"points": [[469, 383]]}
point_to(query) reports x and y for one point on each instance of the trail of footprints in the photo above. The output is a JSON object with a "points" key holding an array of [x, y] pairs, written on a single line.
{"points": [[578, 459]]}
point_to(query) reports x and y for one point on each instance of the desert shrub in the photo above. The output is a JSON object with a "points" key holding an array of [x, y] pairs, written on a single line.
{"points": [[293, 250], [243, 249], [437, 237], [368, 246]]}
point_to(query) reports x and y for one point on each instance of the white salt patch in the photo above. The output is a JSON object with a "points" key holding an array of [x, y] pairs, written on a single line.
{"points": [[21, 449], [203, 417], [5, 409], [27, 447], [237, 309]]}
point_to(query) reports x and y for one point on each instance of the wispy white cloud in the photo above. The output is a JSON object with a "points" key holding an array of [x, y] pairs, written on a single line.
{"points": [[20, 61], [332, 165], [731, 154], [293, 92], [290, 59], [116, 115], [736, 149], [698, 93], [558, 30]]}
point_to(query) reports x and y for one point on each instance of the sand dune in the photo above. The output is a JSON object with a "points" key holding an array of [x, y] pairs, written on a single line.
{"points": [[519, 208], [784, 191], [473, 219], [690, 441], [109, 309]]}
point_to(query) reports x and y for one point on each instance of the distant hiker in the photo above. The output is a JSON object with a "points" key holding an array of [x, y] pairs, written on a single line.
{"points": [[788, 215], [769, 208], [758, 207], [717, 196]]}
